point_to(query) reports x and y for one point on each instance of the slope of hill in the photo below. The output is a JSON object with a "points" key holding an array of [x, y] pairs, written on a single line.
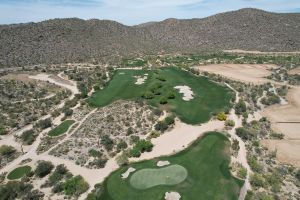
{"points": [[75, 40]]}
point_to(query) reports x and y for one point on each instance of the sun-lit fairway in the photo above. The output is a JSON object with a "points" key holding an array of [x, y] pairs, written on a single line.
{"points": [[207, 168], [147, 178], [208, 96], [61, 129], [19, 172]]}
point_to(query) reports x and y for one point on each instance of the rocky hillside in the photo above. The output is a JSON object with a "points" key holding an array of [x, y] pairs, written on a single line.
{"points": [[75, 40]]}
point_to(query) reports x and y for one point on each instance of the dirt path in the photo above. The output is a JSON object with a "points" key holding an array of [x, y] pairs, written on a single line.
{"points": [[242, 154]]}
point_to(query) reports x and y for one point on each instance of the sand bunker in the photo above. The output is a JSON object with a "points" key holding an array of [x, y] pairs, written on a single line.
{"points": [[162, 163], [249, 73], [127, 173], [186, 91], [141, 80], [172, 196]]}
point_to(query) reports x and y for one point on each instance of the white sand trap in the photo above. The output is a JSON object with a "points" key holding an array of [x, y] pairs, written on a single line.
{"points": [[141, 80], [162, 163], [172, 196], [126, 174], [186, 91]]}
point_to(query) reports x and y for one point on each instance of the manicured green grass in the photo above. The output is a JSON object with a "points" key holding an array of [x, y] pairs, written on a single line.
{"points": [[61, 129], [147, 178], [209, 97], [207, 164], [19, 172]]}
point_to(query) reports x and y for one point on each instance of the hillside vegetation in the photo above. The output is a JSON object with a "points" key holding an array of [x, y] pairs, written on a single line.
{"points": [[76, 40]]}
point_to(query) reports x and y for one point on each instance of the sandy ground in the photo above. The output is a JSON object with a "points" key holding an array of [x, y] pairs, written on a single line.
{"points": [[168, 143], [186, 91], [172, 196], [295, 71], [260, 52], [141, 79], [289, 148], [249, 73], [50, 78], [286, 113]]}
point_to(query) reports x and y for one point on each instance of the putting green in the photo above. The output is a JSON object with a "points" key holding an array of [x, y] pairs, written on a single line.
{"points": [[147, 178], [19, 172]]}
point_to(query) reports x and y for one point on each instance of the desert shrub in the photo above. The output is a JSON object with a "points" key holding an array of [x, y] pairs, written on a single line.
{"points": [[279, 136], [122, 160], [257, 180], [221, 116], [153, 134], [244, 133], [57, 188], [6, 150], [140, 147], [28, 137], [240, 107], [122, 145], [75, 186], [95, 153], [43, 124], [161, 126], [3, 130], [129, 131], [43, 168], [19, 190], [254, 164], [235, 145], [68, 111], [242, 173], [107, 142], [169, 120], [230, 123]]}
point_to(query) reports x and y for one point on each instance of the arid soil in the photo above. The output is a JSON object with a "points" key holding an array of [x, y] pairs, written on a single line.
{"points": [[249, 73], [294, 71], [286, 119], [260, 52]]}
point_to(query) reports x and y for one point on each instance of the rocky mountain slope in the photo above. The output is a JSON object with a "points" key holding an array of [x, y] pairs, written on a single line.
{"points": [[76, 40]]}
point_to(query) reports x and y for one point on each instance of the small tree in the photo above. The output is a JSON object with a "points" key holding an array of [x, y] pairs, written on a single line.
{"points": [[43, 169], [3, 130], [230, 123], [6, 150], [221, 116]]}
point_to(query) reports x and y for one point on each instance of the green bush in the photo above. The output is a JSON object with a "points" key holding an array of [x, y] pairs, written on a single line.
{"points": [[43, 124], [245, 134], [6, 150], [140, 147], [163, 100], [169, 120], [148, 95], [240, 107], [43, 169], [221, 116], [107, 142], [28, 137], [3, 130], [230, 123], [75, 186], [257, 180], [171, 95]]}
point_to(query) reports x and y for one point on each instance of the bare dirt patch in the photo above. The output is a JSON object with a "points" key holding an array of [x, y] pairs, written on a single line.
{"points": [[295, 71], [287, 151], [249, 73]]}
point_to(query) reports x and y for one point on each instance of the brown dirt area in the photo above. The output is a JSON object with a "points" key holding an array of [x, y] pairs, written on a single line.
{"points": [[295, 71], [287, 150], [249, 73], [261, 52]]}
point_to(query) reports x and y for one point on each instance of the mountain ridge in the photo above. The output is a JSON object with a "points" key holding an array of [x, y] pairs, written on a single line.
{"points": [[78, 40]]}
